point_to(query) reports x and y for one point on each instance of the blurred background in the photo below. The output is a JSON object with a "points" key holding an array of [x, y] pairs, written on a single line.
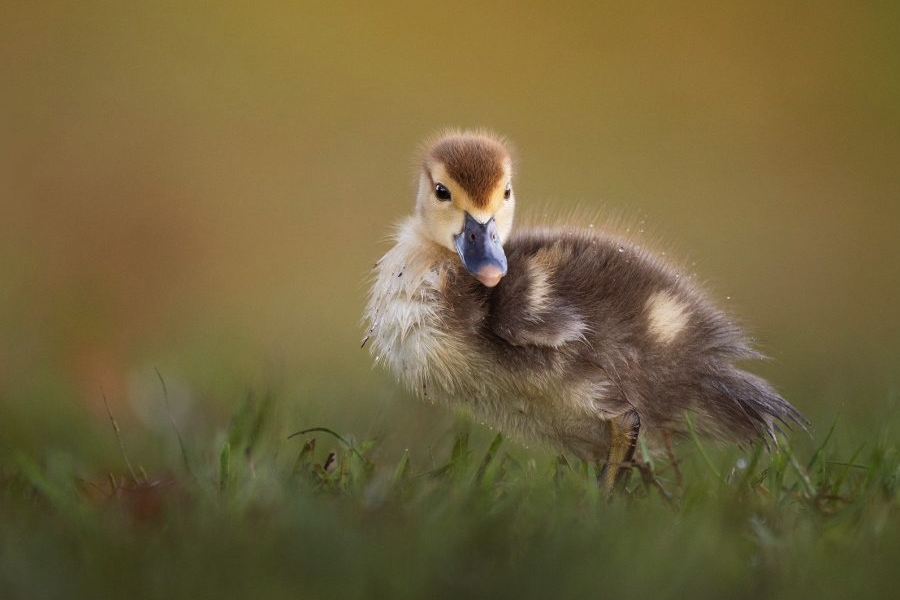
{"points": [[199, 190]]}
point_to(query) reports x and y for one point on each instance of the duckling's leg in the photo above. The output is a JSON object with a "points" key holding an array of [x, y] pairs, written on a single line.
{"points": [[623, 435]]}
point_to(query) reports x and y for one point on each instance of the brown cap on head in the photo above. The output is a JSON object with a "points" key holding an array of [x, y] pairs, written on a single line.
{"points": [[476, 161]]}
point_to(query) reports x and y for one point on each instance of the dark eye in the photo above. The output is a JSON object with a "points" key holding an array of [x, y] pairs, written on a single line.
{"points": [[507, 192], [441, 191]]}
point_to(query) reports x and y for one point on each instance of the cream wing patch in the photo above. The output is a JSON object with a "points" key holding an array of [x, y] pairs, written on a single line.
{"points": [[667, 316], [539, 289]]}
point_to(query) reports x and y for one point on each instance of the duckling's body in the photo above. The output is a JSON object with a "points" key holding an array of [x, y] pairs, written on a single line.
{"points": [[573, 337]]}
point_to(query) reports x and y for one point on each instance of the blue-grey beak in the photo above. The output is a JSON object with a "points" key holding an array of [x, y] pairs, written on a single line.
{"points": [[480, 249]]}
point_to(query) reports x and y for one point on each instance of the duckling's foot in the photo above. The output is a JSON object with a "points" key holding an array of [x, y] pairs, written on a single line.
{"points": [[623, 435]]}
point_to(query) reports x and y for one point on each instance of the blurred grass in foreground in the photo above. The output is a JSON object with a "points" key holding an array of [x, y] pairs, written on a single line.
{"points": [[254, 511]]}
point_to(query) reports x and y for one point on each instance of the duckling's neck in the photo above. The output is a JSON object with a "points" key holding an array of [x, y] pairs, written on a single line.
{"points": [[405, 305]]}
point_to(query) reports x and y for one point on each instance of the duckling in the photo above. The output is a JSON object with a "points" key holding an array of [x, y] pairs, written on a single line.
{"points": [[573, 337]]}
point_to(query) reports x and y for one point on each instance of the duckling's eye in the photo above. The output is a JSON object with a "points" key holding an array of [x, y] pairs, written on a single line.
{"points": [[441, 191], [507, 192]]}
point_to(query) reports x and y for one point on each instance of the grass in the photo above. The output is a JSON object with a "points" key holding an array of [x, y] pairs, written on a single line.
{"points": [[262, 511]]}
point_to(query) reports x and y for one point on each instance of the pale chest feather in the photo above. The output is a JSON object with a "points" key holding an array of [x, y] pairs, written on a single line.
{"points": [[406, 330], [412, 331]]}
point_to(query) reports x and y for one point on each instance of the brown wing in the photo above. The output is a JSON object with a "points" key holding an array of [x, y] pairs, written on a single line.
{"points": [[528, 308]]}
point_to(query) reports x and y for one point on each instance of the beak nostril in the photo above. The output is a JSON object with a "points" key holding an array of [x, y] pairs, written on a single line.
{"points": [[479, 247]]}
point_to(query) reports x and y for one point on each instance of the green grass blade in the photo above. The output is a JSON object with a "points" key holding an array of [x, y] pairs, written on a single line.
{"points": [[401, 470], [225, 466], [488, 460], [184, 455], [701, 448], [814, 459]]}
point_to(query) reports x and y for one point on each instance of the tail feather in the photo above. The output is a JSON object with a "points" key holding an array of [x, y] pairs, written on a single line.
{"points": [[745, 406]]}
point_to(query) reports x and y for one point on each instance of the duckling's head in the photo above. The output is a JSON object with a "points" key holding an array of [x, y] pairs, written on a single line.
{"points": [[465, 200]]}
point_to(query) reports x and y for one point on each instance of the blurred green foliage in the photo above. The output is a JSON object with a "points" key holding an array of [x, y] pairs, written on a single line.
{"points": [[320, 515]]}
